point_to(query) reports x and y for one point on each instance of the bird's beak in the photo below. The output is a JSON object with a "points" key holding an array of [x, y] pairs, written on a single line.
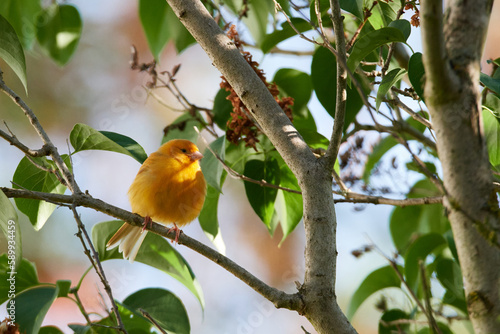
{"points": [[195, 156]]}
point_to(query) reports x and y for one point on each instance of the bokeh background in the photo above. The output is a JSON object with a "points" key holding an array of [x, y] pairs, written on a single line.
{"points": [[98, 88]]}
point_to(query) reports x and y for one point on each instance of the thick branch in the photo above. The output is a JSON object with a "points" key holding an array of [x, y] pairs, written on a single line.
{"points": [[456, 118], [439, 75], [279, 298], [249, 87]]}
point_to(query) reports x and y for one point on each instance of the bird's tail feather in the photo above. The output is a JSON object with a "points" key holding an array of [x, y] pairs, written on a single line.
{"points": [[129, 239]]}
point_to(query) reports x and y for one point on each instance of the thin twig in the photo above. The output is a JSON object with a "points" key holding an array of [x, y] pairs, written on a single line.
{"points": [[326, 43], [410, 112], [401, 126], [81, 307], [394, 266], [153, 321], [96, 263], [237, 175], [393, 44], [427, 298], [44, 151], [366, 15], [351, 197], [65, 172], [341, 93]]}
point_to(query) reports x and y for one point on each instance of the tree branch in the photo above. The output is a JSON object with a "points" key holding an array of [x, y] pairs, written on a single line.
{"points": [[452, 56], [341, 99], [351, 197], [279, 298], [249, 87], [65, 172], [12, 139], [96, 263], [439, 76]]}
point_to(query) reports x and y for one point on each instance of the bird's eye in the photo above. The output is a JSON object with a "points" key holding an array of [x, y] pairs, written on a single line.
{"points": [[183, 150]]}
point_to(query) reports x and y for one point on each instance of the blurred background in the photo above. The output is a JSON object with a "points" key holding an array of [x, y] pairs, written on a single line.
{"points": [[98, 88]]}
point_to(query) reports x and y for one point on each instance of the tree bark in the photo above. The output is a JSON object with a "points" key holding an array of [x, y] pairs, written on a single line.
{"points": [[452, 54], [313, 174]]}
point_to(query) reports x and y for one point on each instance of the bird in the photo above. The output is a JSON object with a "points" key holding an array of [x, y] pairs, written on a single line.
{"points": [[169, 188]]}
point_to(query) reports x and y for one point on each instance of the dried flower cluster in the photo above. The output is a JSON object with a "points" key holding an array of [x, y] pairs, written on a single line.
{"points": [[415, 19], [240, 125], [6, 327]]}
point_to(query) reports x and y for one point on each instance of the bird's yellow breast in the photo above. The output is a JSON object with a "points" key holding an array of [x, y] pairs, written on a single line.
{"points": [[168, 190]]}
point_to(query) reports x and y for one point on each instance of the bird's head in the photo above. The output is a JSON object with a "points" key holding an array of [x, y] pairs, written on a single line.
{"points": [[182, 150]]}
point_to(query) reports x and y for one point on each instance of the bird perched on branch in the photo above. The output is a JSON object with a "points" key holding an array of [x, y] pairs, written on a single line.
{"points": [[169, 189]]}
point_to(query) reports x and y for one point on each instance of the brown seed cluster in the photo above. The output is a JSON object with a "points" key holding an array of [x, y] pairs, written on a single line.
{"points": [[415, 19], [240, 125], [6, 327]]}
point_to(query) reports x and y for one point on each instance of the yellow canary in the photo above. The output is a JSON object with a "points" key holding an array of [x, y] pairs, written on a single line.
{"points": [[169, 189]]}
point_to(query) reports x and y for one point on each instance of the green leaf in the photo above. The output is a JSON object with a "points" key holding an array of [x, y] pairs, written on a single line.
{"points": [[419, 250], [222, 109], [402, 25], [212, 168], [379, 150], [183, 128], [404, 226], [460, 304], [208, 218], [491, 121], [153, 15], [278, 36], [133, 321], [416, 73], [354, 7], [11, 51], [315, 139], [384, 13], [388, 81], [449, 274], [238, 155], [28, 176], [262, 198], [22, 16], [25, 277], [9, 224], [303, 120], [163, 306], [292, 211], [442, 327], [83, 137], [390, 316], [377, 280], [64, 286], [257, 17], [155, 251], [324, 80], [296, 84], [59, 31], [408, 223], [370, 42], [79, 329], [50, 330], [491, 83], [32, 305], [412, 165]]}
